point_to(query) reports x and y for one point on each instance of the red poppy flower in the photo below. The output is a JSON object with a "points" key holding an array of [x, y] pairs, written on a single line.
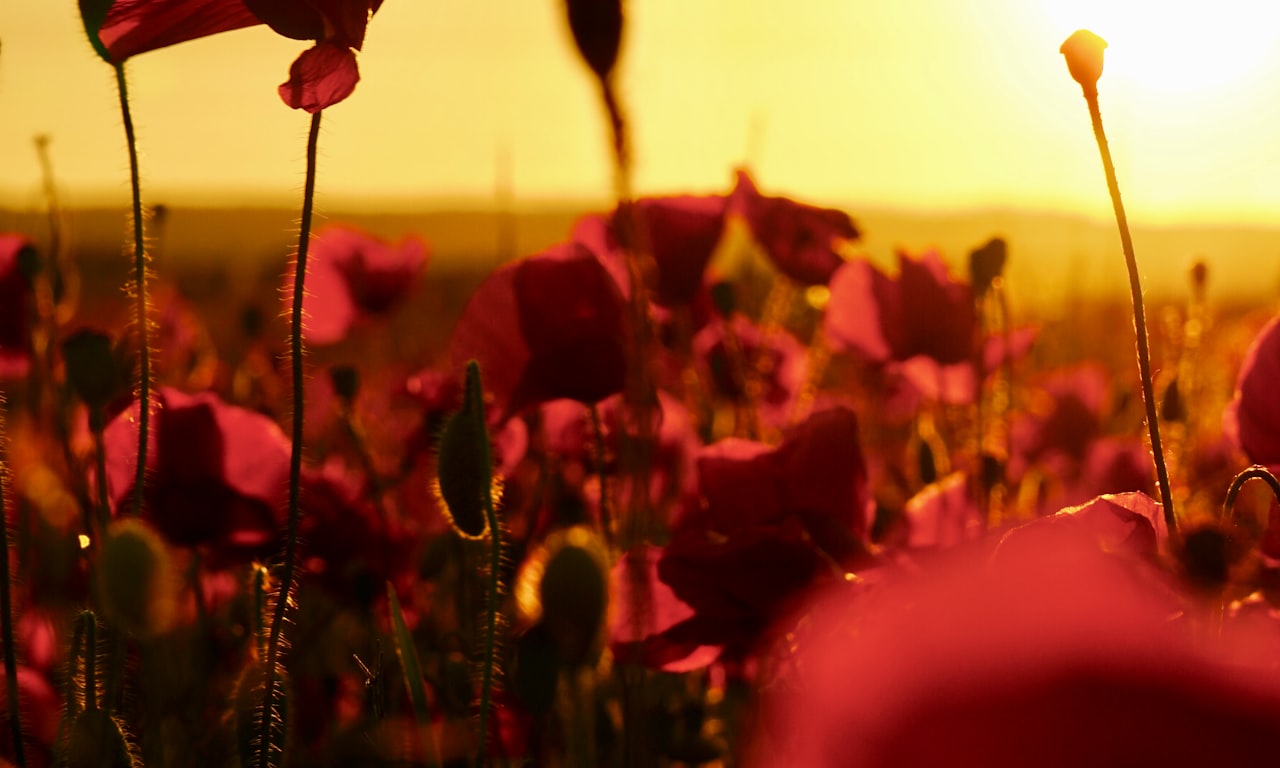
{"points": [[680, 233], [799, 238], [1065, 419], [354, 277], [119, 29], [217, 474], [326, 73], [1252, 420], [1130, 523], [545, 327], [921, 312], [750, 350], [15, 306]]}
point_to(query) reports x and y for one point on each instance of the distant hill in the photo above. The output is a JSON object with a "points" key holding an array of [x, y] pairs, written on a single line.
{"points": [[1052, 257]]}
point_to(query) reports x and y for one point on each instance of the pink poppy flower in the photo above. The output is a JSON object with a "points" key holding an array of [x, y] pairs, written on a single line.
{"points": [[15, 306], [680, 234], [921, 312], [729, 363], [1064, 659], [1130, 523], [354, 277], [119, 29], [799, 238], [1066, 418], [545, 327], [326, 73], [1252, 420], [217, 474]]}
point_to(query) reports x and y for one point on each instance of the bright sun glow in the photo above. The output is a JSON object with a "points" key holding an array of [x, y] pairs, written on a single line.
{"points": [[1176, 46]]}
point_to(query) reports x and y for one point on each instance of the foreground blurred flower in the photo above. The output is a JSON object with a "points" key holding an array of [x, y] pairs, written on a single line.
{"points": [[15, 305], [545, 327], [354, 277], [119, 29], [326, 73], [217, 474], [799, 238], [1066, 657]]}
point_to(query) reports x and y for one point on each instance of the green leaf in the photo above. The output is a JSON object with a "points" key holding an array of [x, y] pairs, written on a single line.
{"points": [[407, 652]]}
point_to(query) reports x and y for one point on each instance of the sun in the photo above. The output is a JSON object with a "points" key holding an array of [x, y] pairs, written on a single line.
{"points": [[1176, 46]]}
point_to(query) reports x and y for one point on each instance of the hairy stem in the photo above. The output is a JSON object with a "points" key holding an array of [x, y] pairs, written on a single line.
{"points": [[295, 455], [139, 294], [6, 615], [1256, 472], [1139, 314]]}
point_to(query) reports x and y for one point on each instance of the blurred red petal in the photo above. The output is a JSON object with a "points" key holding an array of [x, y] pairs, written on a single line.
{"points": [[1252, 420], [799, 238], [131, 27]]}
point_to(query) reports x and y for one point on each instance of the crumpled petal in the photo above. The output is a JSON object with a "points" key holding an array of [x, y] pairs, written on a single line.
{"points": [[119, 29], [322, 76]]}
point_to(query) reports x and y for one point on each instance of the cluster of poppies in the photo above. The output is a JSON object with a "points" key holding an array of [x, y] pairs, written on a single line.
{"points": [[816, 436]]}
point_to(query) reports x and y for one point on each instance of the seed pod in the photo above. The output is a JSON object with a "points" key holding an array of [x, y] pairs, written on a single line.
{"points": [[92, 369], [986, 264], [136, 578], [597, 30]]}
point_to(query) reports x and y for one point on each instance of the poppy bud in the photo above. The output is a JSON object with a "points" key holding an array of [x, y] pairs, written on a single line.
{"points": [[1199, 275], [1084, 58], [137, 581], [346, 382], [597, 30], [986, 264], [98, 740], [564, 587], [92, 371], [464, 475]]}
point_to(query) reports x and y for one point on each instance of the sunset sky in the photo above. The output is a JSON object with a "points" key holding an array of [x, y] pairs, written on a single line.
{"points": [[918, 104]]}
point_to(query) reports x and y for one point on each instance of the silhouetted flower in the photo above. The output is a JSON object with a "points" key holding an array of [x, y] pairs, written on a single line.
{"points": [[680, 233], [597, 31], [15, 306], [326, 73], [545, 327], [921, 312], [216, 474], [354, 277], [119, 29], [799, 238]]}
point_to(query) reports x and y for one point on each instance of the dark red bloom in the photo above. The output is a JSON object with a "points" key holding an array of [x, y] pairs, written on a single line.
{"points": [[119, 29], [545, 327], [1252, 420], [799, 238], [354, 277], [217, 474], [15, 306], [326, 73], [735, 349], [922, 312], [1128, 523], [679, 232]]}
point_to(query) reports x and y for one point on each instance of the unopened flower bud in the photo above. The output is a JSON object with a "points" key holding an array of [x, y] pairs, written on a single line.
{"points": [[986, 264], [597, 30], [1084, 58]]}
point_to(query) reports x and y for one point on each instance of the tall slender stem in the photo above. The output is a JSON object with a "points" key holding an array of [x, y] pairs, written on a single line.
{"points": [[139, 293], [295, 455], [1139, 314], [6, 615]]}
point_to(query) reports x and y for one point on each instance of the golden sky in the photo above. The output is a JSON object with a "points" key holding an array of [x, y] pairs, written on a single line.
{"points": [[922, 104]]}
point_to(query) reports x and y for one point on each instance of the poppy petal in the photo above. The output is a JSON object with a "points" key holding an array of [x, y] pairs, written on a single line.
{"points": [[322, 76]]}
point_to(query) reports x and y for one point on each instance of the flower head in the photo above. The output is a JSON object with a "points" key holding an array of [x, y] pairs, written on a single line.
{"points": [[354, 277], [1084, 58], [799, 238], [119, 29], [15, 305]]}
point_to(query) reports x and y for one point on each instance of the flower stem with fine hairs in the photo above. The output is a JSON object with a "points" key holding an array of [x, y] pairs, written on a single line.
{"points": [[295, 456], [6, 616], [139, 294], [1139, 314], [1255, 472]]}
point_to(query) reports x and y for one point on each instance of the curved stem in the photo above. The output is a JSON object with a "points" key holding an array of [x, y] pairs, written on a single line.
{"points": [[6, 616], [475, 394], [1139, 314], [139, 294], [295, 455], [1256, 472]]}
